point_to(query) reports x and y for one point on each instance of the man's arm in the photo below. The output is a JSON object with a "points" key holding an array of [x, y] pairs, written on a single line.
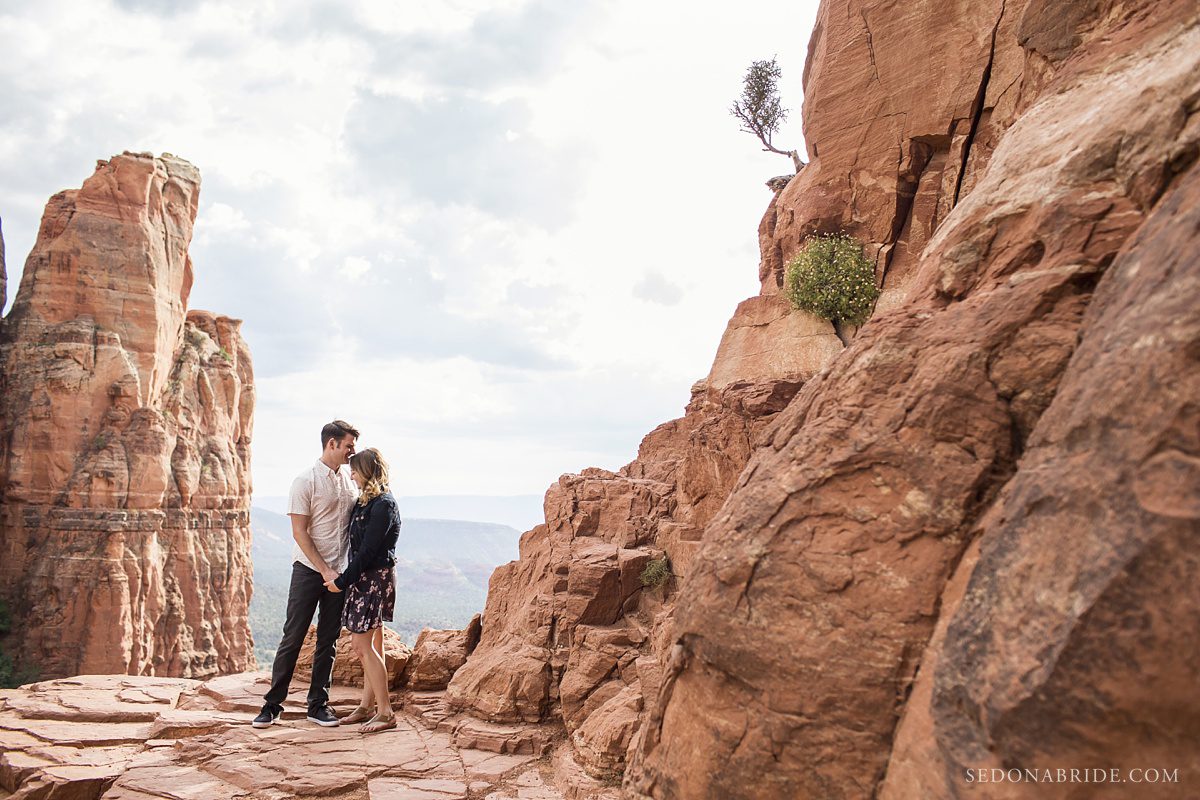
{"points": [[305, 542]]}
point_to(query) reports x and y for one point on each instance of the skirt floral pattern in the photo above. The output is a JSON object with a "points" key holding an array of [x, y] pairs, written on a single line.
{"points": [[370, 600]]}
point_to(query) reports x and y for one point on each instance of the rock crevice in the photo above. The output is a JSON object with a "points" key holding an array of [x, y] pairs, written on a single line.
{"points": [[977, 108]]}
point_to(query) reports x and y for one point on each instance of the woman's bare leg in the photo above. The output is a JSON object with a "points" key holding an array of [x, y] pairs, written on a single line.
{"points": [[377, 646], [375, 671], [366, 699]]}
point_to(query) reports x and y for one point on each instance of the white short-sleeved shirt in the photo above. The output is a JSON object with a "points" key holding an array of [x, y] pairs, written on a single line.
{"points": [[325, 496]]}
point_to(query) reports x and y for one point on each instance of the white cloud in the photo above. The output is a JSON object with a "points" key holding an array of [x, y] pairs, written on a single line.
{"points": [[459, 423], [398, 16], [654, 288], [513, 230], [220, 219], [354, 268]]}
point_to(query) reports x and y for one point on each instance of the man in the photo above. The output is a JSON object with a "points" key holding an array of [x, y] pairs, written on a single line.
{"points": [[319, 505]]}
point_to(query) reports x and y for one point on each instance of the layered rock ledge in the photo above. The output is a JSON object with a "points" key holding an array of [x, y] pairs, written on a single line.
{"points": [[137, 738]]}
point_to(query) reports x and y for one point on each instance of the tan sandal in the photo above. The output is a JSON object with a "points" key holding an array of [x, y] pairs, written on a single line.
{"points": [[359, 714], [377, 724]]}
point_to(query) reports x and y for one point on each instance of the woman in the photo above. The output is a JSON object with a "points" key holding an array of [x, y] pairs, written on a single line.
{"points": [[370, 585]]}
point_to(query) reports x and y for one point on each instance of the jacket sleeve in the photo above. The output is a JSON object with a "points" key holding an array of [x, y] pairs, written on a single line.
{"points": [[374, 543]]}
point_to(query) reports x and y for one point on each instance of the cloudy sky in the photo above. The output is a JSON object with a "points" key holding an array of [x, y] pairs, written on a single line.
{"points": [[503, 238]]}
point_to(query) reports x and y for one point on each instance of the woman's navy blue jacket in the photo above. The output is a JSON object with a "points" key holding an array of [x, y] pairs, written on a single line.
{"points": [[374, 531]]}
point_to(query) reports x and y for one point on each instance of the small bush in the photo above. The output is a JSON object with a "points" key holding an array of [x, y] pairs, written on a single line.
{"points": [[656, 572], [100, 442], [11, 675], [226, 355], [830, 277]]}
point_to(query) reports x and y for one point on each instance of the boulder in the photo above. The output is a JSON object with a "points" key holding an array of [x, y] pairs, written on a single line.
{"points": [[437, 654], [347, 668]]}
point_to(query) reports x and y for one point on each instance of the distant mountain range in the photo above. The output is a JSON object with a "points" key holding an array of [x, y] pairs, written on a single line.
{"points": [[442, 571], [520, 511]]}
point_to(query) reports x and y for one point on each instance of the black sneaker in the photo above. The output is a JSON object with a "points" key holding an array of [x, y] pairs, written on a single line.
{"points": [[268, 715], [323, 716]]}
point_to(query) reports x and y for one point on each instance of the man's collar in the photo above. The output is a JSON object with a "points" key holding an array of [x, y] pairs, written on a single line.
{"points": [[321, 465]]}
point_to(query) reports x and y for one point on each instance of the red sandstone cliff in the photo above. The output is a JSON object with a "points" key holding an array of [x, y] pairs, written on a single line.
{"points": [[125, 431], [965, 415], [959, 541]]}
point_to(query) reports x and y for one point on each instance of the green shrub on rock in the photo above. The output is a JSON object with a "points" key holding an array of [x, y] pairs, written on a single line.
{"points": [[830, 277], [656, 573]]}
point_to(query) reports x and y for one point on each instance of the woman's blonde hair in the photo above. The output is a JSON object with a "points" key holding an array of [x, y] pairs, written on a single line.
{"points": [[371, 465]]}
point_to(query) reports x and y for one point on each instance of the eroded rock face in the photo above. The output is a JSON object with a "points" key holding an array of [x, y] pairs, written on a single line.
{"points": [[570, 631], [1116, 620], [820, 581], [894, 140], [816, 501], [126, 424]]}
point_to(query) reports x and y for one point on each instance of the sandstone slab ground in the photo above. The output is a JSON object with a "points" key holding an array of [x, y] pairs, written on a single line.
{"points": [[136, 738]]}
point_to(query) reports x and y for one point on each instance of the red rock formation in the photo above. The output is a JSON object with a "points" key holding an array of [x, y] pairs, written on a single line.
{"points": [[124, 475], [813, 533], [820, 582], [1070, 601], [569, 629], [895, 140]]}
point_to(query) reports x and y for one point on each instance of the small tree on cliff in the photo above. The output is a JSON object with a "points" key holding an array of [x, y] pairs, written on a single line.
{"points": [[760, 110], [830, 277]]}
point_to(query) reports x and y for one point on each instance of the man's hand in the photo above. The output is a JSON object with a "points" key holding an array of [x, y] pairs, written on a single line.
{"points": [[330, 585], [329, 574]]}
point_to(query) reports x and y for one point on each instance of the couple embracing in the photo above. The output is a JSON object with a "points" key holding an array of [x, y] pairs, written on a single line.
{"points": [[342, 513]]}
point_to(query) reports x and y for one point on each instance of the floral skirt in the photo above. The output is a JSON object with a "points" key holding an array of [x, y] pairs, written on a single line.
{"points": [[370, 600]]}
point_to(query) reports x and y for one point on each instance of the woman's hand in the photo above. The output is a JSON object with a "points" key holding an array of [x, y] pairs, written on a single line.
{"points": [[331, 586]]}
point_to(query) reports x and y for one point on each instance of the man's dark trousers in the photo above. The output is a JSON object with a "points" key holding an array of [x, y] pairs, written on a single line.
{"points": [[305, 595]]}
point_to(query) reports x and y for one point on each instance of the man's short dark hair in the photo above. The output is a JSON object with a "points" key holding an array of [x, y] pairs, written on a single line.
{"points": [[336, 430]]}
